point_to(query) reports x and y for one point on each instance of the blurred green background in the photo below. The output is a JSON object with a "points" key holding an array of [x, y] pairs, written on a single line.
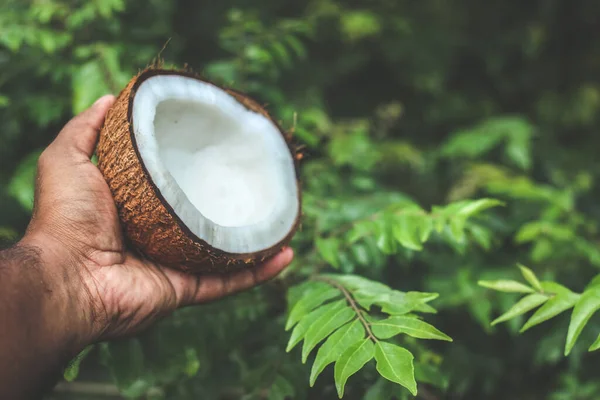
{"points": [[433, 101]]}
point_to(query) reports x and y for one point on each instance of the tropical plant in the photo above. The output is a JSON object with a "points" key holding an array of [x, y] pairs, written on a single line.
{"points": [[442, 144]]}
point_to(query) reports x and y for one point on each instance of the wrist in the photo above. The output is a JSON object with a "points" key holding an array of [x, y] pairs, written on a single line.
{"points": [[65, 306]]}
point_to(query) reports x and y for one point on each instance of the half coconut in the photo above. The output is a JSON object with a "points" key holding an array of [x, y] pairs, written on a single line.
{"points": [[203, 178]]}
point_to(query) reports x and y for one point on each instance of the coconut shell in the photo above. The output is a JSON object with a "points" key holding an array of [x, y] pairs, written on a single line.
{"points": [[148, 220]]}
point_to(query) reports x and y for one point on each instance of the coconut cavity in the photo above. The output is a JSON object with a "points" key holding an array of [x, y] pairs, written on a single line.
{"points": [[224, 170]]}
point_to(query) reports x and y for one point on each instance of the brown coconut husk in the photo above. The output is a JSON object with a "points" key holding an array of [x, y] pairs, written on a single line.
{"points": [[149, 222]]}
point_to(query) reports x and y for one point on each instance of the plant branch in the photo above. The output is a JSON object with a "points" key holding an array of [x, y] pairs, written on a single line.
{"points": [[352, 303]]}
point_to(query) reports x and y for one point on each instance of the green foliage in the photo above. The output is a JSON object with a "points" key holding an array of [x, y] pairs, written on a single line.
{"points": [[21, 184], [354, 332], [553, 299], [515, 133], [395, 363], [403, 225], [72, 369], [416, 122], [357, 25]]}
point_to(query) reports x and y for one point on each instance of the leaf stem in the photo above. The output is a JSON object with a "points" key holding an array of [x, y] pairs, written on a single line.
{"points": [[353, 305]]}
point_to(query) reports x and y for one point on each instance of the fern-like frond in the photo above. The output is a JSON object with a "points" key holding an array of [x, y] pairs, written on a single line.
{"points": [[336, 310], [552, 299]]}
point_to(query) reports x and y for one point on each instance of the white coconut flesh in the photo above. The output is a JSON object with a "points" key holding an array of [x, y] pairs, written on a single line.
{"points": [[224, 170]]}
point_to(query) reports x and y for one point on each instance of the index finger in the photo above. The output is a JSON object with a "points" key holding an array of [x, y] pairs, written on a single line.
{"points": [[202, 289]]}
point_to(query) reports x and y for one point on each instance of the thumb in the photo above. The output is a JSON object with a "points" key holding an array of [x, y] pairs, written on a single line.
{"points": [[80, 135]]}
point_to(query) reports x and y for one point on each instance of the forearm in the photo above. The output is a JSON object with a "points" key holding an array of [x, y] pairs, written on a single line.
{"points": [[34, 311]]}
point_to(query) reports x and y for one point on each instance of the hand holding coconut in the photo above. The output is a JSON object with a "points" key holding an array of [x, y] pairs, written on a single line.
{"points": [[71, 281]]}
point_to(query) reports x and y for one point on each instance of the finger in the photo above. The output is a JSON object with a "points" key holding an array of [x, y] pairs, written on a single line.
{"points": [[211, 287], [217, 286], [80, 135]]}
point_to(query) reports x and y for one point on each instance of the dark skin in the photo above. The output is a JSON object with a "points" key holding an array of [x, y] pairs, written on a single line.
{"points": [[71, 281]]}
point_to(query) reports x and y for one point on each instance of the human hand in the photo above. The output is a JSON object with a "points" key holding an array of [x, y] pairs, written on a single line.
{"points": [[76, 228]]}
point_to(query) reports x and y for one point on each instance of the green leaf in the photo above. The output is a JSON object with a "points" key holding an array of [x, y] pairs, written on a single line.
{"points": [[537, 229], [507, 286], [556, 305], [518, 148], [311, 299], [72, 369], [126, 365], [481, 138], [323, 327], [470, 143], [356, 25], [593, 283], [553, 287], [586, 306], [396, 364], [191, 366], [335, 345], [425, 228], [352, 360], [414, 327], [481, 309], [363, 255], [353, 147], [596, 345], [359, 284], [482, 235], [527, 303], [8, 234], [281, 389], [457, 228], [360, 230], [281, 52], [21, 185], [296, 45], [395, 302], [306, 323], [473, 207], [530, 277], [88, 84], [400, 303], [385, 237], [224, 71], [329, 249], [405, 231], [519, 154]]}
